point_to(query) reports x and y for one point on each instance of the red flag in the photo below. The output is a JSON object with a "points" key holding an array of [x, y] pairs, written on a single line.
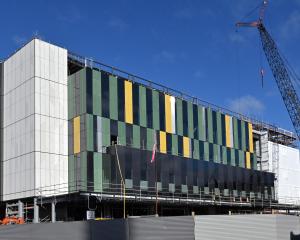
{"points": [[154, 148], [153, 153]]}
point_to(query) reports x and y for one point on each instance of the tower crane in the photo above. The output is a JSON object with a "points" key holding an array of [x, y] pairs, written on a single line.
{"points": [[281, 73]]}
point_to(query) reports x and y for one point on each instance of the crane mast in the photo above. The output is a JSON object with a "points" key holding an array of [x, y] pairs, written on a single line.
{"points": [[280, 71], [282, 77]]}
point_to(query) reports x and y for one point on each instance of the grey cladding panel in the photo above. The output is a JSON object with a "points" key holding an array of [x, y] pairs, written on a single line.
{"points": [[163, 228], [252, 227], [108, 230]]}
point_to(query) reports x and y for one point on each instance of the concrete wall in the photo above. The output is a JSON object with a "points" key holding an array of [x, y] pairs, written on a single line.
{"points": [[35, 121]]}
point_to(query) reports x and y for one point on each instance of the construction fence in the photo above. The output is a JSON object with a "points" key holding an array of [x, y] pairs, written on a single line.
{"points": [[163, 228]]}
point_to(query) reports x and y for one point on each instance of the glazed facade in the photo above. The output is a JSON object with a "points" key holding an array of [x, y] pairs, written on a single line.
{"points": [[198, 149]]}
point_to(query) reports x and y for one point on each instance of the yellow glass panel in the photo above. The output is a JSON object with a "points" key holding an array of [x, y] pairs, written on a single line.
{"points": [[168, 114], [76, 127], [186, 147], [250, 137], [248, 163], [228, 133], [128, 102], [163, 142]]}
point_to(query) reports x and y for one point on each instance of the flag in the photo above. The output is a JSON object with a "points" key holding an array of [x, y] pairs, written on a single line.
{"points": [[153, 153], [154, 148]]}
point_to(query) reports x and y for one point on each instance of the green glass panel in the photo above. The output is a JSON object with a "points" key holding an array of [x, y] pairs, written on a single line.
{"points": [[201, 123], [96, 93], [216, 153], [150, 139], [82, 86], [196, 154], [210, 126], [136, 136], [235, 133], [190, 121], [71, 173], [232, 160], [106, 132], [179, 120], [241, 158], [206, 151], [175, 145], [113, 97], [89, 132], [224, 155], [219, 129], [83, 171], [155, 99], [122, 133], [243, 147], [143, 110], [97, 172], [71, 96]]}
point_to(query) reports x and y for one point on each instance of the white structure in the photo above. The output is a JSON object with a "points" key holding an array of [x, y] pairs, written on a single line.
{"points": [[35, 126], [286, 166]]}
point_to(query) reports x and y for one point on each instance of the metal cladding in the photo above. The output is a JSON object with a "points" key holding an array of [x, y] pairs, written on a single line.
{"points": [[198, 149], [35, 126]]}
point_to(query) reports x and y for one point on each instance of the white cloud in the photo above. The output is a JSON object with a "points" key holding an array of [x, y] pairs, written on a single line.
{"points": [[247, 105]]}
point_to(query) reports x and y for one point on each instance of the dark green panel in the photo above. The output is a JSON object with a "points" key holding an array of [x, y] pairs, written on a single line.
{"points": [[71, 173], [206, 151], [89, 132], [201, 124], [235, 133], [143, 111], [175, 145], [97, 172], [122, 133], [196, 154], [106, 132], [179, 120], [82, 84], [113, 97], [96, 93], [209, 122], [71, 96], [219, 129], [216, 153], [190, 121], [150, 139], [136, 136], [155, 104], [241, 158], [83, 171], [243, 147], [232, 160], [224, 155]]}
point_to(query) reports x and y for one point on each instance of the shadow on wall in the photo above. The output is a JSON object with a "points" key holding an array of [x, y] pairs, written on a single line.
{"points": [[294, 236]]}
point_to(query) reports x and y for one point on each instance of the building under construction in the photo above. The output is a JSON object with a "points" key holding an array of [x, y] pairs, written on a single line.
{"points": [[79, 135]]}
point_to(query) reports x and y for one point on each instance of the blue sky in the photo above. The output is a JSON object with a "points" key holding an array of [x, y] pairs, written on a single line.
{"points": [[189, 45]]}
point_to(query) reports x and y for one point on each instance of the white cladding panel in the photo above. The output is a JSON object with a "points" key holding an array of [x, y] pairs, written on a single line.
{"points": [[288, 168], [35, 122]]}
